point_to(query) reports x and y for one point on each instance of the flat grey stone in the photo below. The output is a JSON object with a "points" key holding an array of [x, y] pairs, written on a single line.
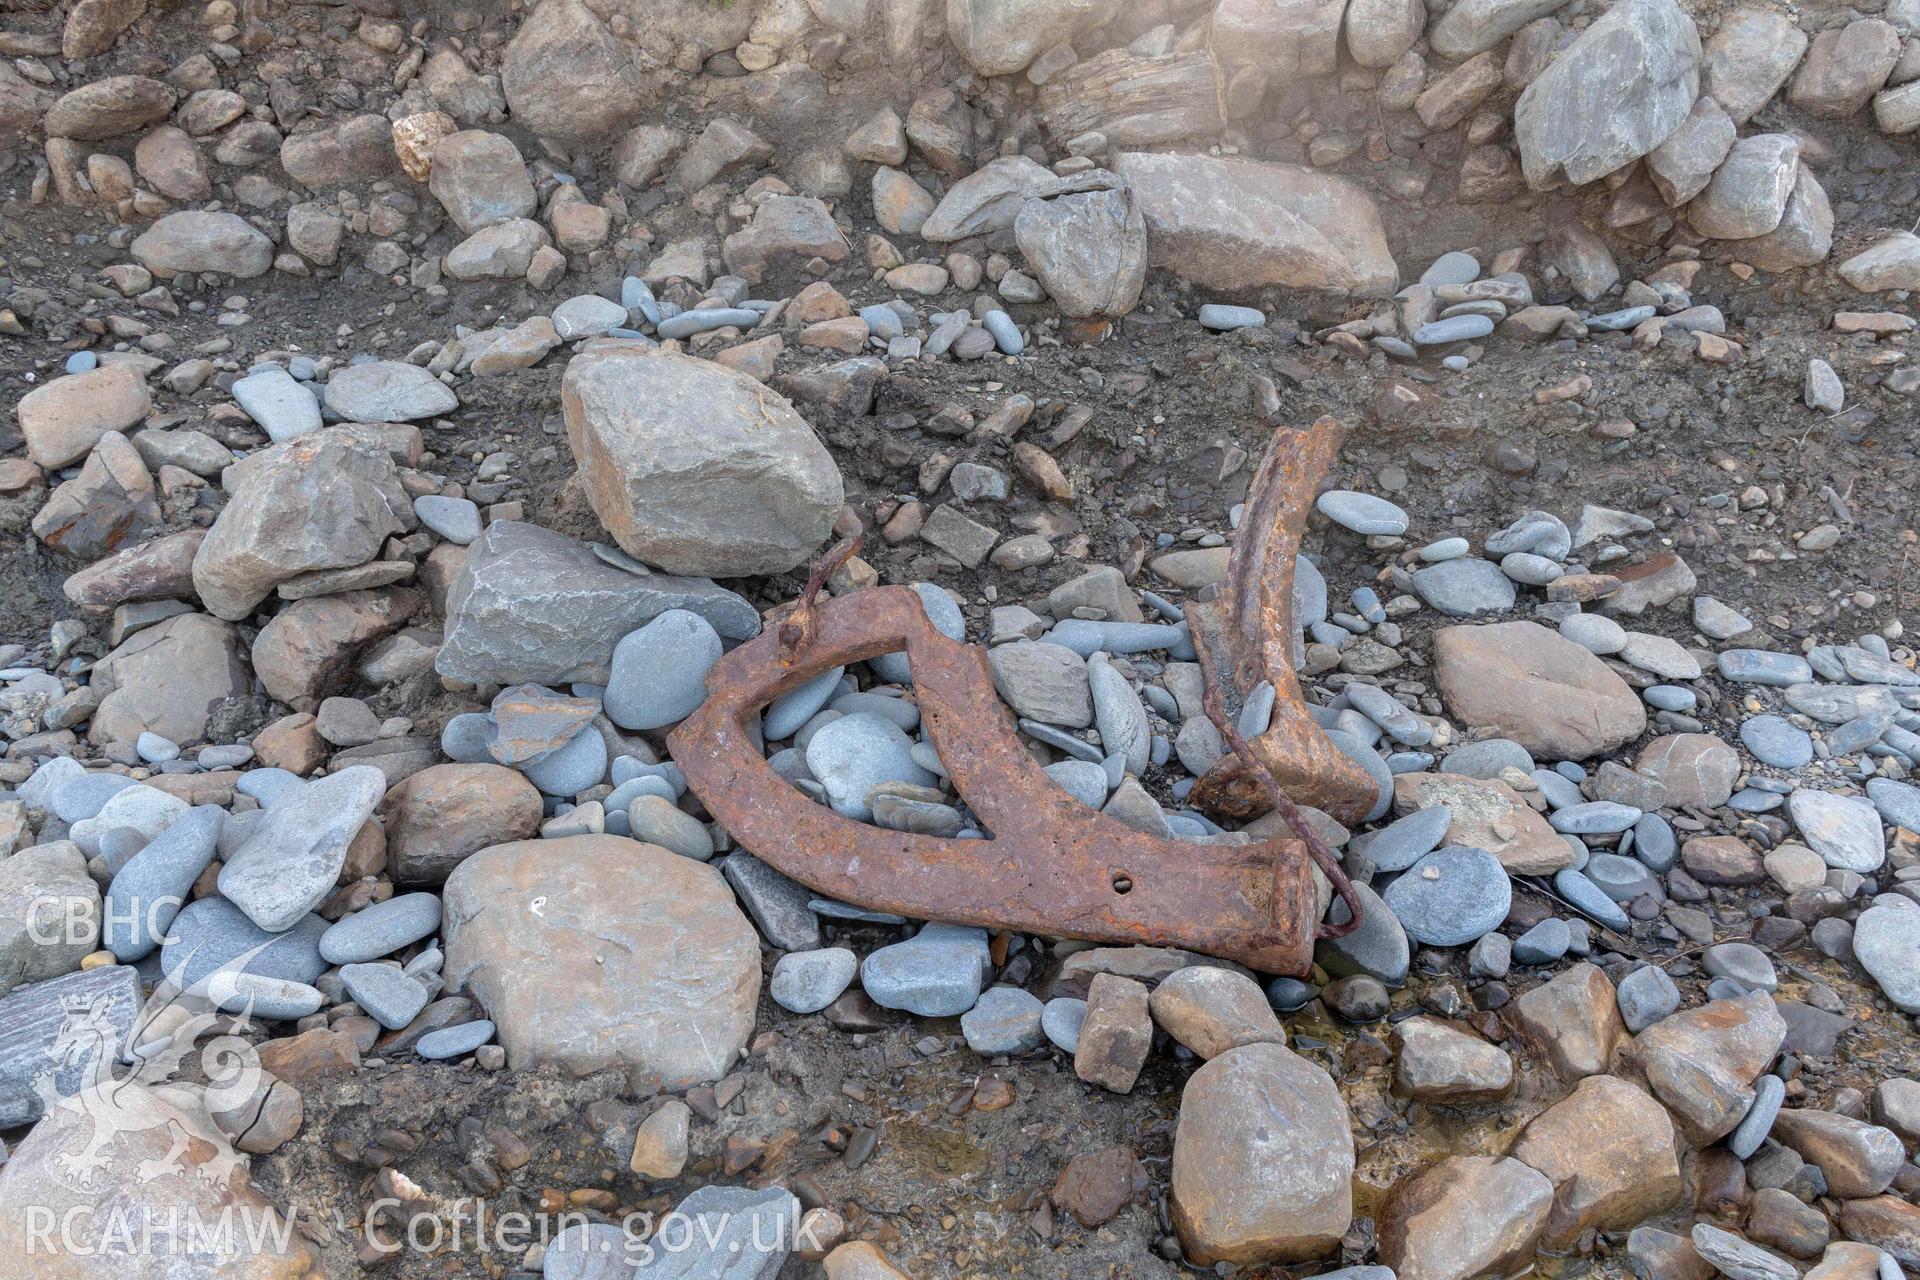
{"points": [[391, 997], [1886, 942], [792, 709], [1004, 1020], [1645, 996], [1043, 681], [735, 1233], [454, 1042], [152, 886], [1544, 943], [1458, 328], [455, 519], [1745, 963], [1223, 318], [529, 604], [1086, 638], [292, 863], [936, 974], [1621, 878], [1378, 948], [1774, 741], [284, 407], [777, 904], [1084, 780], [946, 618], [1840, 704], [857, 753], [1357, 750], [211, 933], [1401, 843], [1464, 588], [1362, 513], [1769, 1091], [587, 315], [381, 929], [1595, 817], [388, 391], [1119, 715], [1451, 896], [1761, 666], [1487, 758], [1061, 1021], [580, 764], [659, 675], [1589, 898], [809, 981], [1898, 802], [1454, 267], [273, 999], [1845, 830]]}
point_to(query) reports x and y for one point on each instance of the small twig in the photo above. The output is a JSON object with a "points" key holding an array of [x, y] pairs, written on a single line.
{"points": [[796, 633]]}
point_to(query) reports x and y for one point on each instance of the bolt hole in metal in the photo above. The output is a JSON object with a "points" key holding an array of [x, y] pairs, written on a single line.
{"points": [[1122, 882]]}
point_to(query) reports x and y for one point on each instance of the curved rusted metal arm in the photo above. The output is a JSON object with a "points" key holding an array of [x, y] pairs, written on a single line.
{"points": [[1052, 866], [1245, 636]]}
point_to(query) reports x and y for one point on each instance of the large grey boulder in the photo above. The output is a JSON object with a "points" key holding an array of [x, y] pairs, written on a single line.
{"points": [[1241, 224], [1892, 263], [1287, 38], [695, 467], [1618, 92], [1000, 37], [533, 606], [1474, 26], [566, 75], [987, 200], [195, 240], [1087, 241], [1749, 58], [325, 500], [1804, 237], [479, 179], [1748, 194]]}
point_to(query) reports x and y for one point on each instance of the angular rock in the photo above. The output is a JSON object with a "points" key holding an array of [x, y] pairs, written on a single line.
{"points": [[1435, 1061], [1211, 1010], [566, 75], [1844, 67], [1240, 224], [480, 180], [440, 816], [328, 499], [697, 468], [1087, 241], [167, 679], [1574, 1020], [532, 605], [197, 241], [1550, 695], [595, 951], [1748, 194], [1858, 1159], [1610, 1152], [1620, 90], [1749, 58], [1262, 1160], [1702, 1062], [63, 419], [1486, 814], [1465, 1217], [292, 861]]}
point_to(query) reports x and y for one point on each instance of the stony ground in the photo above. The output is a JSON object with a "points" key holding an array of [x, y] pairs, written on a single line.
{"points": [[408, 407]]}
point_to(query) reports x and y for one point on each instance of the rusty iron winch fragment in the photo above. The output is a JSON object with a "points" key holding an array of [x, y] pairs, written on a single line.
{"points": [[1051, 865]]}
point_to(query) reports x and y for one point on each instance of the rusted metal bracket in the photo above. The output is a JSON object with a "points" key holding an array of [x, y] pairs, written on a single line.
{"points": [[1245, 636], [1051, 865]]}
